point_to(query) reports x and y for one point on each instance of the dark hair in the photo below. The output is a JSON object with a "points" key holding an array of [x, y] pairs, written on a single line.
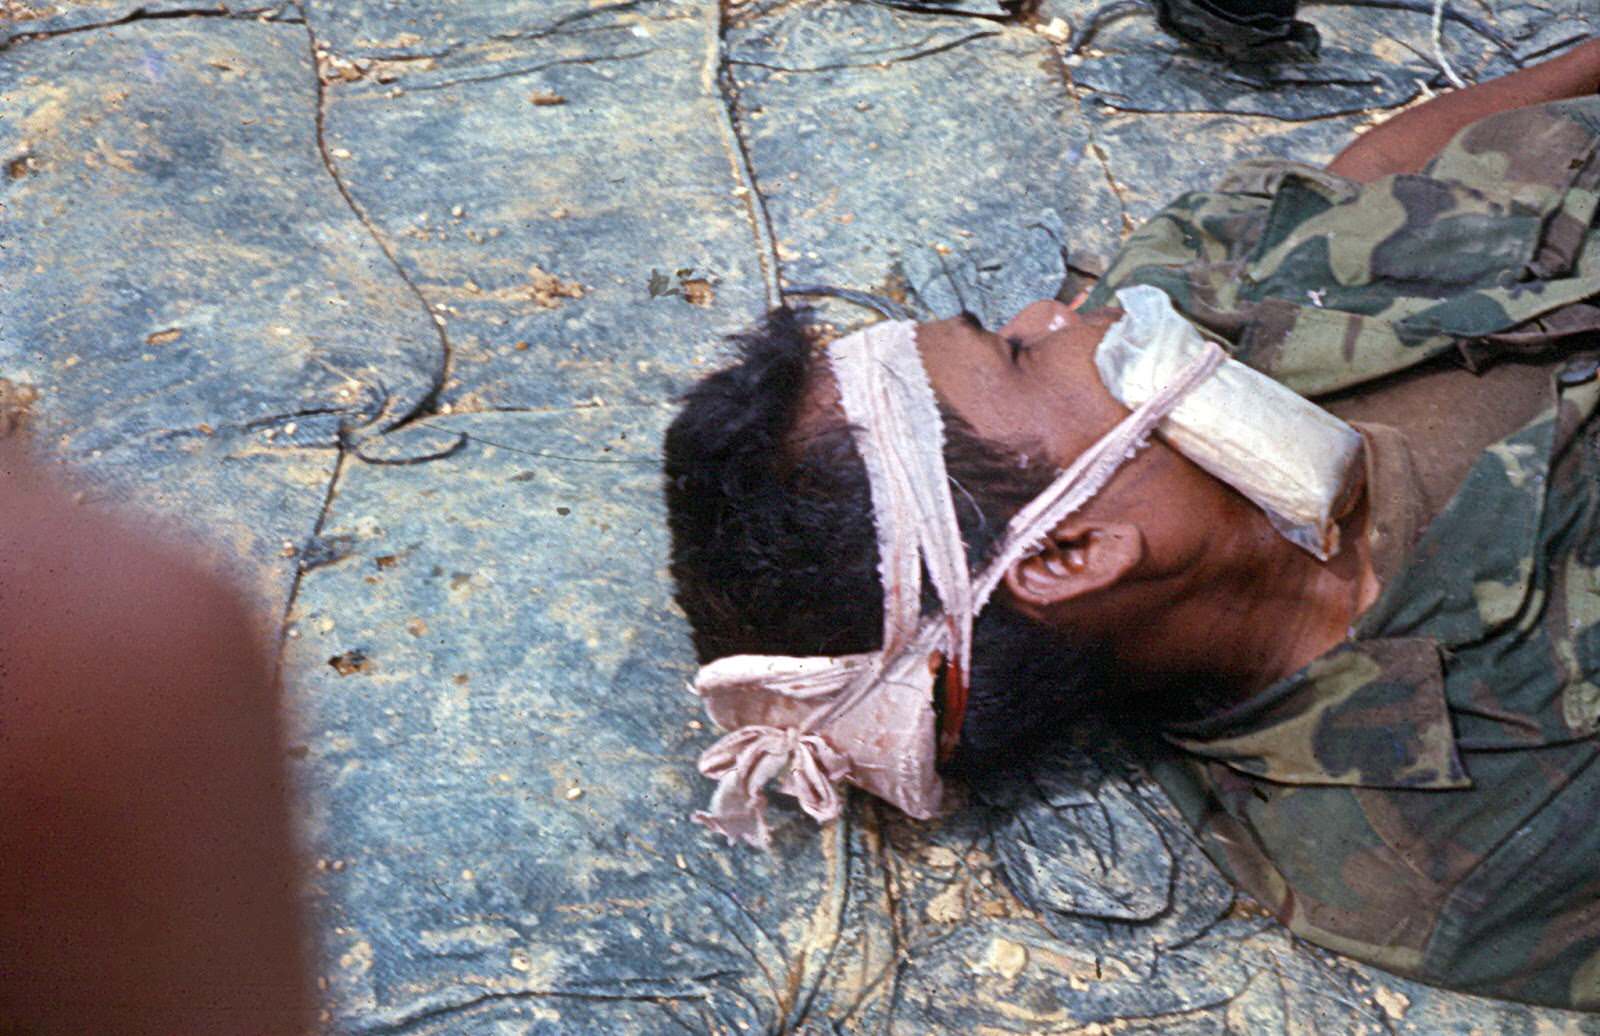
{"points": [[773, 548]]}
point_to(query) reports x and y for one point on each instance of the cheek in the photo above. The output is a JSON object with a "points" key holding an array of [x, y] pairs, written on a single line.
{"points": [[989, 399], [1066, 415], [1043, 422]]}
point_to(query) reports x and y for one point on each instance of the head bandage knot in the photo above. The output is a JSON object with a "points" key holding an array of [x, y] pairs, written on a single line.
{"points": [[868, 718]]}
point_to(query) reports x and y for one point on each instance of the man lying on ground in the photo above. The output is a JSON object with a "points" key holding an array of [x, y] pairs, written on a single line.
{"points": [[1385, 716]]}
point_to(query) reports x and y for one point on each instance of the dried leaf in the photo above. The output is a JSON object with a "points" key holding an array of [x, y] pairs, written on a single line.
{"points": [[660, 284]]}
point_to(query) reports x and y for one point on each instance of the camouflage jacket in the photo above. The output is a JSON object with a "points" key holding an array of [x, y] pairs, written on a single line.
{"points": [[1425, 797]]}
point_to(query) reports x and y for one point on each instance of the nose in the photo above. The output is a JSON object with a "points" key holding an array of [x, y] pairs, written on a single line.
{"points": [[1038, 319]]}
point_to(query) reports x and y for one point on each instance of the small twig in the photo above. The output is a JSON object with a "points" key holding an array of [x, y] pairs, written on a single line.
{"points": [[1099, 20], [885, 307], [1477, 25], [1438, 46]]}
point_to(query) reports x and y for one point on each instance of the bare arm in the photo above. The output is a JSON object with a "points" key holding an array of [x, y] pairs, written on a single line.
{"points": [[1405, 143], [147, 869]]}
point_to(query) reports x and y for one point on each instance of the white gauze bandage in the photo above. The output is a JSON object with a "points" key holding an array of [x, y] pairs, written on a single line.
{"points": [[1288, 456], [868, 719]]}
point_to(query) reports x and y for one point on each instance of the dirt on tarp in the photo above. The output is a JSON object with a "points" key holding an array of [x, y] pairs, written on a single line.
{"points": [[16, 406]]}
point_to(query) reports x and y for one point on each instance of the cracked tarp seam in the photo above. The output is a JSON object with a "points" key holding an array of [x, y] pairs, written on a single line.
{"points": [[453, 1000], [513, 73], [898, 59], [716, 80], [425, 404], [21, 34], [555, 31]]}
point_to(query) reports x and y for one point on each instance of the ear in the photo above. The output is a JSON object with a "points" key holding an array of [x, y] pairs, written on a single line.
{"points": [[1079, 559]]}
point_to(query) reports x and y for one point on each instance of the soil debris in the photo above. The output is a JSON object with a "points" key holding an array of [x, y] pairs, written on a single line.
{"points": [[1004, 958], [331, 68], [1394, 1004], [16, 406], [353, 661], [547, 290], [948, 906], [15, 11], [698, 292]]}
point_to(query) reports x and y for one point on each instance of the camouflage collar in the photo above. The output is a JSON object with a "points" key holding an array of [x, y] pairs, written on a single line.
{"points": [[1396, 509], [1370, 714]]}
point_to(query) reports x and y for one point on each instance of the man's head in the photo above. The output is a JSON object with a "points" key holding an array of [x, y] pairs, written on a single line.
{"points": [[773, 543], [1166, 569]]}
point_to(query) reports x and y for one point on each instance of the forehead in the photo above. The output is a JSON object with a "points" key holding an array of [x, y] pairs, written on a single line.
{"points": [[1033, 386]]}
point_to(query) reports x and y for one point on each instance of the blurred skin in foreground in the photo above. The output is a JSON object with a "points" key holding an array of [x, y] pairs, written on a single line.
{"points": [[147, 879]]}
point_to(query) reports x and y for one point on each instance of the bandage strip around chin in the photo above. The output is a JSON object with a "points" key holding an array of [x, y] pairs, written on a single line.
{"points": [[868, 719]]}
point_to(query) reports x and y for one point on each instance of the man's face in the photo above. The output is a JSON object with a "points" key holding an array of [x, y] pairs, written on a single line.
{"points": [[1032, 384]]}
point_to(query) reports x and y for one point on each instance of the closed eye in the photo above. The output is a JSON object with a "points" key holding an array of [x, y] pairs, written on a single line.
{"points": [[970, 319]]}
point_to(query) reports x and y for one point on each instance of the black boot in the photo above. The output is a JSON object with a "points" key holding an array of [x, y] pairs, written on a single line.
{"points": [[1245, 31]]}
